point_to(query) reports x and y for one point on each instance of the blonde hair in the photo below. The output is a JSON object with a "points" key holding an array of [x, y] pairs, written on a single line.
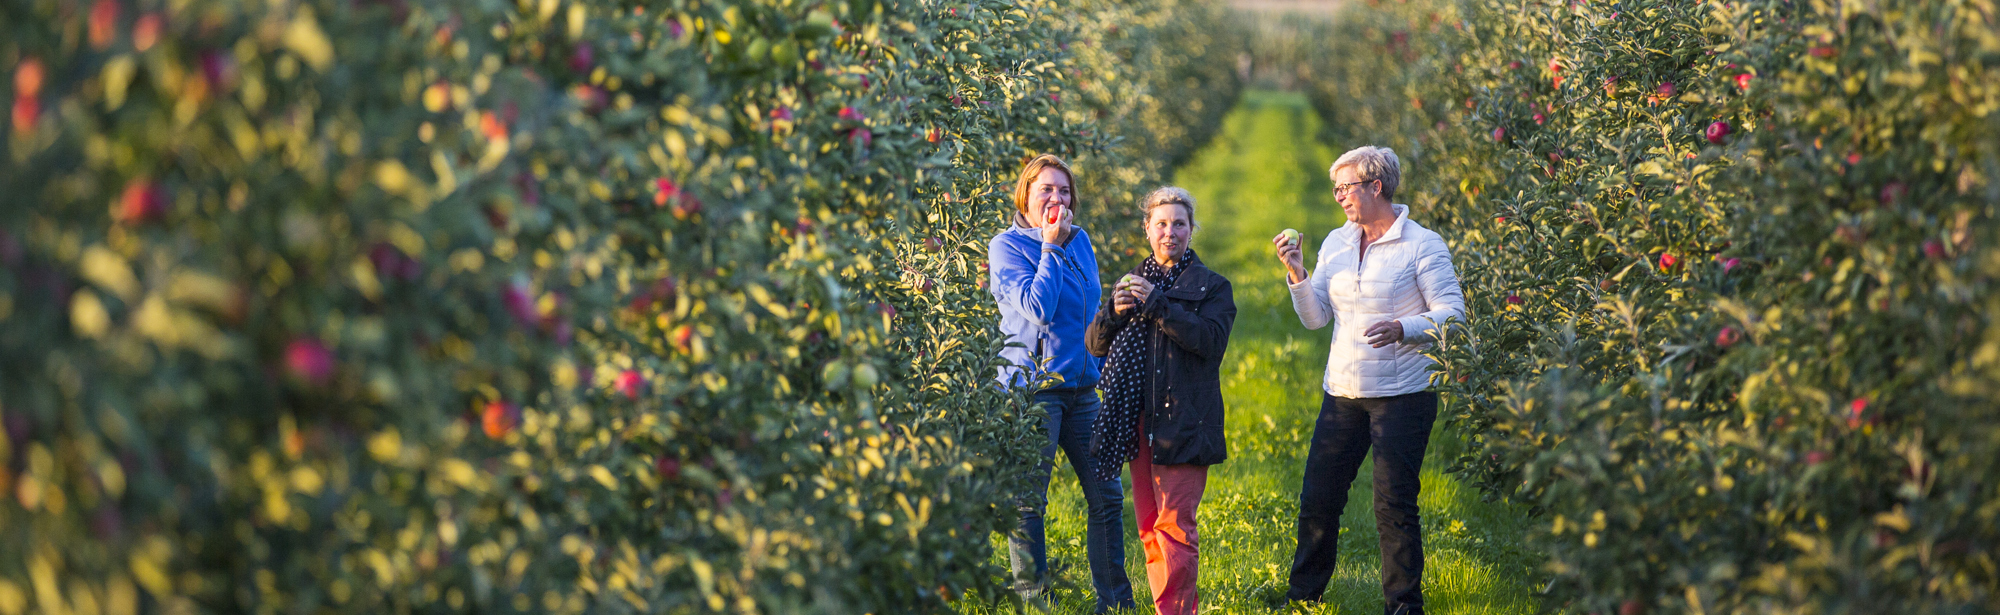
{"points": [[1372, 163], [1169, 195], [1033, 170]]}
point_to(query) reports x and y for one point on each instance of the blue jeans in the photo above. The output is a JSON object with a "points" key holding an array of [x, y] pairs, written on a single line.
{"points": [[1071, 413]]}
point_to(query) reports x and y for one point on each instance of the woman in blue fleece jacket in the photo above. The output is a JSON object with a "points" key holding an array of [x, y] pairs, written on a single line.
{"points": [[1044, 275]]}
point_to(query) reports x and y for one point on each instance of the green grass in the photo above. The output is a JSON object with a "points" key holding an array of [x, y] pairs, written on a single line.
{"points": [[1263, 173]]}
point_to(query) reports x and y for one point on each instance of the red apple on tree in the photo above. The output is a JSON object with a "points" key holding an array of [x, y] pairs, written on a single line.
{"points": [[103, 23], [683, 337], [308, 360], [143, 201], [1716, 132], [630, 383], [1727, 337], [498, 418]]}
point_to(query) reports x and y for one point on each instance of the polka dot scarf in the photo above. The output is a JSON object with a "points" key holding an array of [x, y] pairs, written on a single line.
{"points": [[1114, 438]]}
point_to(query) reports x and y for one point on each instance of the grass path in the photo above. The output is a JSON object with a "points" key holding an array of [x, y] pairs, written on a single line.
{"points": [[1263, 173]]}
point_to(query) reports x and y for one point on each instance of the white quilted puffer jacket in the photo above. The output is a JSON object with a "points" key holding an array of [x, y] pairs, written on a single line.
{"points": [[1406, 276]]}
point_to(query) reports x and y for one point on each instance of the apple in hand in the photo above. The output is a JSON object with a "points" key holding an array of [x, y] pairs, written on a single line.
{"points": [[1052, 214], [1293, 236]]}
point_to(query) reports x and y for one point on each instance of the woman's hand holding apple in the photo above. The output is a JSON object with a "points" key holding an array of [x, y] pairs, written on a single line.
{"points": [[1291, 256], [1055, 227]]}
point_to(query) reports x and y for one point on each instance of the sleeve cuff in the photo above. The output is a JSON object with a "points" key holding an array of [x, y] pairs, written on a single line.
{"points": [[1416, 329], [1303, 286]]}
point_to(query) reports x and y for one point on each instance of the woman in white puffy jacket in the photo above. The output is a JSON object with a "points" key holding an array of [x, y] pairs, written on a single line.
{"points": [[1387, 286]]}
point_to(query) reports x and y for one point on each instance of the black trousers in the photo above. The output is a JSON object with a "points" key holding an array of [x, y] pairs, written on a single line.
{"points": [[1398, 429]]}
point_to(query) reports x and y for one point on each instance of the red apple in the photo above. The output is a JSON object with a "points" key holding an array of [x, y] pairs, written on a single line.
{"points": [[1730, 263], [28, 77], [520, 303], [683, 337], [1052, 214], [630, 383], [1854, 158], [668, 467], [1539, 119], [103, 23], [1716, 132], [1815, 458], [1727, 337], [664, 190], [1606, 284], [1892, 192], [1499, 134], [27, 109], [1632, 607], [143, 201], [862, 136], [309, 360], [850, 115], [583, 58], [1668, 260], [590, 98], [1743, 81], [1514, 299], [1514, 65], [1933, 249], [391, 263], [499, 418], [147, 31], [688, 206]]}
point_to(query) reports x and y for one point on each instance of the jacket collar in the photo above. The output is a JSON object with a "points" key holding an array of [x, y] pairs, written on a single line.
{"points": [[1352, 231]]}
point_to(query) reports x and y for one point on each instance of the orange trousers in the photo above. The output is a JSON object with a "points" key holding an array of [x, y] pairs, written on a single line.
{"points": [[1165, 498]]}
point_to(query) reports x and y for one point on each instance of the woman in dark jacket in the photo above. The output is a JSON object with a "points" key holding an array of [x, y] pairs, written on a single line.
{"points": [[1163, 335]]}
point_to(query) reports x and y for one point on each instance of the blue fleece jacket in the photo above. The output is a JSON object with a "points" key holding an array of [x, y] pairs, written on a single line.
{"points": [[1047, 294]]}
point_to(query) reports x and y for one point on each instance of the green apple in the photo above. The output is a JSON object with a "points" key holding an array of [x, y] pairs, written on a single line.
{"points": [[865, 376], [1293, 236], [834, 376]]}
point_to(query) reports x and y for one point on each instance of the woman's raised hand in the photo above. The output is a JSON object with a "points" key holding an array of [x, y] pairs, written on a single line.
{"points": [[1292, 257], [1122, 301], [1132, 292], [1056, 232]]}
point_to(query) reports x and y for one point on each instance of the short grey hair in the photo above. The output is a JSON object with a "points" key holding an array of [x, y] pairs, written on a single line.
{"points": [[1372, 163], [1169, 195]]}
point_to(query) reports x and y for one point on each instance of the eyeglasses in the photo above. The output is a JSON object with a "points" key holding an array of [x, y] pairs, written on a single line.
{"points": [[1340, 190]]}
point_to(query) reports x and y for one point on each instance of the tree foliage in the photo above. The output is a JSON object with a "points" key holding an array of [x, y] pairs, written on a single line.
{"points": [[538, 306]]}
